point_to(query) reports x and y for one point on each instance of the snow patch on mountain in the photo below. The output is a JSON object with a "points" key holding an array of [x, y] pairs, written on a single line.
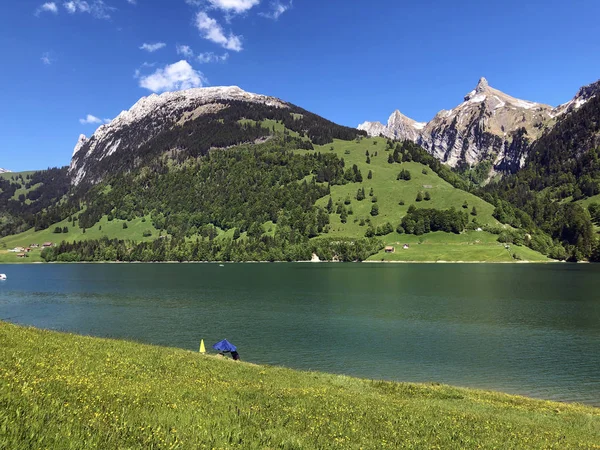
{"points": [[4, 170]]}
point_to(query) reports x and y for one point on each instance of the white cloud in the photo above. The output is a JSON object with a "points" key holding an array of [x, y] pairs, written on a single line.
{"points": [[46, 59], [230, 6], [89, 120], [236, 6], [277, 9], [174, 77], [212, 31], [210, 57], [185, 50], [96, 8], [153, 47], [47, 7], [132, 2]]}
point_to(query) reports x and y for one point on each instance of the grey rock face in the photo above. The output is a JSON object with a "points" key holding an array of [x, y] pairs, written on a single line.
{"points": [[488, 126]]}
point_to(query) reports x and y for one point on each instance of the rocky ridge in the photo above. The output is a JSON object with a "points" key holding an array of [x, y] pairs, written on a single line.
{"points": [[151, 115], [488, 126]]}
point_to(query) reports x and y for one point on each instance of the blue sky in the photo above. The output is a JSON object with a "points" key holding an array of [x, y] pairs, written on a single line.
{"points": [[70, 64]]}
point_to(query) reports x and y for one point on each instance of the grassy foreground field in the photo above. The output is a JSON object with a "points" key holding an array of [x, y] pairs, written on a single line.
{"points": [[62, 391]]}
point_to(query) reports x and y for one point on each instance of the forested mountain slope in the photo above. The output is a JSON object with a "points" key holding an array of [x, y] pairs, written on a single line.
{"points": [[563, 166]]}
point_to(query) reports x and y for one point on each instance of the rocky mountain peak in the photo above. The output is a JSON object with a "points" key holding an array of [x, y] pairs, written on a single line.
{"points": [[398, 126], [482, 88], [4, 170], [589, 91], [80, 143], [482, 85]]}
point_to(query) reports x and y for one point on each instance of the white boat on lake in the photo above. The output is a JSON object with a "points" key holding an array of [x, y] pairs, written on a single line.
{"points": [[2, 276]]}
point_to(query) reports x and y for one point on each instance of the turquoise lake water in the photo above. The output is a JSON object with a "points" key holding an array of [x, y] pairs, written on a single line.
{"points": [[524, 328]]}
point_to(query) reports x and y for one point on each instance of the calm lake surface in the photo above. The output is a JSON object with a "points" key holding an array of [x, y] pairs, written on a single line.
{"points": [[524, 329]]}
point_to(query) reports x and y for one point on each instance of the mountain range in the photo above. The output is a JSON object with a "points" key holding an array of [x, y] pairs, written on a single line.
{"points": [[225, 174], [488, 125]]}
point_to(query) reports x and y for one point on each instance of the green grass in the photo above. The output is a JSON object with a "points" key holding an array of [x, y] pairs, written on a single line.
{"points": [[389, 193], [113, 229], [63, 391], [586, 201], [471, 246], [23, 190], [273, 125], [10, 175]]}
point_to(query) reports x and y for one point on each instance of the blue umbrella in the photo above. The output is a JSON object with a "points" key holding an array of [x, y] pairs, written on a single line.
{"points": [[225, 346]]}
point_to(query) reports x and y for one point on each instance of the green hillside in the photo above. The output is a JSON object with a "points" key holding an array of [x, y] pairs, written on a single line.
{"points": [[10, 175], [389, 191], [207, 199], [20, 178], [138, 229], [471, 246], [63, 391], [439, 246]]}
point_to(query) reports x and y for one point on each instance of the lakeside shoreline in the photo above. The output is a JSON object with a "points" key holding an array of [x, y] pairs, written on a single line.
{"points": [[304, 371], [292, 262]]}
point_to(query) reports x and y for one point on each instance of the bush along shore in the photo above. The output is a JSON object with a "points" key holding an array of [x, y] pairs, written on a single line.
{"points": [[62, 391]]}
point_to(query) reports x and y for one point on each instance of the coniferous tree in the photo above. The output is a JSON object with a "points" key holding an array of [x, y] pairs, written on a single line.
{"points": [[344, 215], [360, 194]]}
